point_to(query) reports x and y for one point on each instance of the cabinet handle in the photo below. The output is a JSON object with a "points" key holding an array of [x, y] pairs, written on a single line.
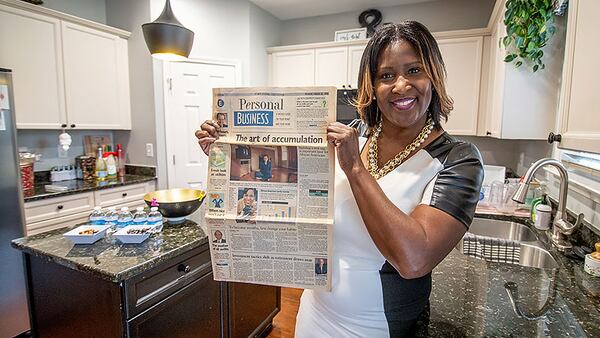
{"points": [[184, 268], [124, 194], [488, 133], [59, 207], [64, 125], [73, 125], [552, 137]]}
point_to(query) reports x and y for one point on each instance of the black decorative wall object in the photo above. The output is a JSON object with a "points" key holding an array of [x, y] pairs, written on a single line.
{"points": [[35, 2], [370, 19]]}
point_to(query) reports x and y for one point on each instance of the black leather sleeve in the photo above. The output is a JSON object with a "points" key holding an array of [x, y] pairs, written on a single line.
{"points": [[457, 186]]}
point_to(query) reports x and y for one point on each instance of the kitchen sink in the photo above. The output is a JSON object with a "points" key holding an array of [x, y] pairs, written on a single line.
{"points": [[502, 229], [536, 257], [506, 242]]}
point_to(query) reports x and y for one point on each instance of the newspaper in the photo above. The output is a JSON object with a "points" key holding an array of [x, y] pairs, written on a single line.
{"points": [[270, 186]]}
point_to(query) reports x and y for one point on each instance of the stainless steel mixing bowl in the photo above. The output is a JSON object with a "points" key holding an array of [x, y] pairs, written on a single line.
{"points": [[176, 204]]}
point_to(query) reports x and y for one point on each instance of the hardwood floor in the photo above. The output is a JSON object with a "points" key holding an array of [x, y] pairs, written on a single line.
{"points": [[285, 321]]}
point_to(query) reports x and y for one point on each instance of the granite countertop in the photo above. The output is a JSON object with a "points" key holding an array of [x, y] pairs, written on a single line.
{"points": [[111, 260], [79, 186], [469, 299]]}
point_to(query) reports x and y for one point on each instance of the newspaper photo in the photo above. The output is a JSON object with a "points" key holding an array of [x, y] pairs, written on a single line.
{"points": [[270, 186]]}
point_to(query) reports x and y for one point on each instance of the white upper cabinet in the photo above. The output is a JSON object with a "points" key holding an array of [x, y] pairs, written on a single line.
{"points": [[520, 104], [319, 64], [31, 48], [292, 68], [462, 57], [354, 56], [579, 110], [96, 78], [331, 66], [67, 72]]}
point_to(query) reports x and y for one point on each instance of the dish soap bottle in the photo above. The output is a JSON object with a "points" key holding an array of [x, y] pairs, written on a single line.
{"points": [[100, 166]]}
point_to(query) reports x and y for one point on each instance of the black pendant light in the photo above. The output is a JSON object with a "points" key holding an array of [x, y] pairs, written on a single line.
{"points": [[166, 37]]}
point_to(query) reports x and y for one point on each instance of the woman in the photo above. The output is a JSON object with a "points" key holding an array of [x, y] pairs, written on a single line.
{"points": [[246, 206], [265, 167], [404, 196]]}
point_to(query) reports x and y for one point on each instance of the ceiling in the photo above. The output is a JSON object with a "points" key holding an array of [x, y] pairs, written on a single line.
{"points": [[295, 9]]}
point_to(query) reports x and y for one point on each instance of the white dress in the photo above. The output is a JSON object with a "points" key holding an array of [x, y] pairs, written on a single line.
{"points": [[365, 301]]}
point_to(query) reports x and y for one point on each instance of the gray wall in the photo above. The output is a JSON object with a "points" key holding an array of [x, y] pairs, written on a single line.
{"points": [[517, 155], [264, 32], [45, 142], [130, 15], [439, 15], [94, 10]]}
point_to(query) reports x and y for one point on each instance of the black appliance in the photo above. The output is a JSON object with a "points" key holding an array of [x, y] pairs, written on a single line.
{"points": [[242, 152], [346, 112]]}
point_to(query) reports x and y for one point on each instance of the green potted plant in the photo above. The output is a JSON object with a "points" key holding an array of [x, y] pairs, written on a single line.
{"points": [[529, 26]]}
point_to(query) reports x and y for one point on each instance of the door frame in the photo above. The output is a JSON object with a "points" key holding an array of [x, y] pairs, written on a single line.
{"points": [[166, 81]]}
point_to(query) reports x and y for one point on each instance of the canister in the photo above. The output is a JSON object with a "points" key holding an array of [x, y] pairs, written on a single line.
{"points": [[543, 214]]}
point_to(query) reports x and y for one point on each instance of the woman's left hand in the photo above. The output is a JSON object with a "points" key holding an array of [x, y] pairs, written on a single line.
{"points": [[345, 140]]}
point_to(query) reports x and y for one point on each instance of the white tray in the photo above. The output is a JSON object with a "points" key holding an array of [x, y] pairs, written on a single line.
{"points": [[124, 237], [77, 238]]}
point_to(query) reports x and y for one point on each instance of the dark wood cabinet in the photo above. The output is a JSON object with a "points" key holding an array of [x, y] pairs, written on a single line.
{"points": [[176, 298], [251, 309], [194, 311]]}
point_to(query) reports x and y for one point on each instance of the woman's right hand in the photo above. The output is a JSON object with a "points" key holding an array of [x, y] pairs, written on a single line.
{"points": [[208, 133]]}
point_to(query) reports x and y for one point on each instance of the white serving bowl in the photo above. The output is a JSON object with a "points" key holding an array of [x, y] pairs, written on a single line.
{"points": [[135, 238], [78, 238]]}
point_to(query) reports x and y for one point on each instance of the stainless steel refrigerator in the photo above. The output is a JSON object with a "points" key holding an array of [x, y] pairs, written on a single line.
{"points": [[14, 316]]}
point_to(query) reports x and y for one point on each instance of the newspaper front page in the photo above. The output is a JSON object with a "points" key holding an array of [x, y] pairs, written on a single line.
{"points": [[270, 186]]}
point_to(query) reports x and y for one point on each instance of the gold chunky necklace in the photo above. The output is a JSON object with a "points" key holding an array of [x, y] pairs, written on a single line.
{"points": [[392, 164]]}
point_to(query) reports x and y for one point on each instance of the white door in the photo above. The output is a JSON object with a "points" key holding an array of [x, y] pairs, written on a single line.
{"points": [[188, 102]]}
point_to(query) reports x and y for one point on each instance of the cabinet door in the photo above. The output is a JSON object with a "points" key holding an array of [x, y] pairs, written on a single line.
{"points": [[31, 48], [462, 57], [193, 311], [251, 308], [495, 87], [354, 56], [331, 66], [579, 109], [293, 68], [96, 78]]}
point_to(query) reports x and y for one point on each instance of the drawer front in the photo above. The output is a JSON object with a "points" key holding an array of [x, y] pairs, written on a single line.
{"points": [[120, 196], [55, 223], [38, 211], [152, 286]]}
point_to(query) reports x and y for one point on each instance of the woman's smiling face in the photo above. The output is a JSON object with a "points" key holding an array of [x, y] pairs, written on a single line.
{"points": [[402, 88]]}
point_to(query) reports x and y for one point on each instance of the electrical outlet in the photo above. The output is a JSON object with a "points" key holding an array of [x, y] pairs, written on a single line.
{"points": [[149, 150], [62, 153]]}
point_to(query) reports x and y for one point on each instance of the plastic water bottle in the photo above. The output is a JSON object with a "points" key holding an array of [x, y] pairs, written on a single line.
{"points": [[97, 216], [155, 219], [140, 216], [124, 218], [111, 216]]}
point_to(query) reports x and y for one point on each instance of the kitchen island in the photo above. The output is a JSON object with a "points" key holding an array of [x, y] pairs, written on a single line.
{"points": [[162, 287]]}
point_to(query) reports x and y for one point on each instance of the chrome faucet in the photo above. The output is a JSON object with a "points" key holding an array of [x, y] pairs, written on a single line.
{"points": [[561, 226]]}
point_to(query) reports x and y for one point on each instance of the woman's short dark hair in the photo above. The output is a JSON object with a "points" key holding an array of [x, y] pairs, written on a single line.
{"points": [[424, 44]]}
